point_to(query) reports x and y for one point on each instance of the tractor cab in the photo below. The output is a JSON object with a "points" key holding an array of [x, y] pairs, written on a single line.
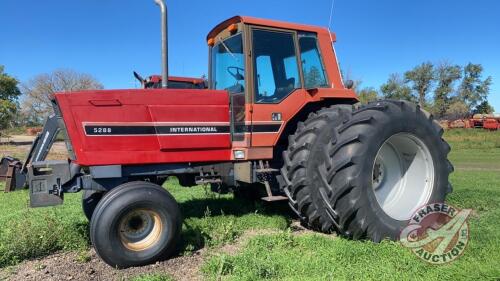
{"points": [[271, 70]]}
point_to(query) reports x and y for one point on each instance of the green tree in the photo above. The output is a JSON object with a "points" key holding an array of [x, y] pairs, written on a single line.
{"points": [[421, 77], [446, 75], [313, 77], [8, 86], [8, 111], [367, 95], [457, 109], [9, 93], [395, 88], [473, 90], [484, 108]]}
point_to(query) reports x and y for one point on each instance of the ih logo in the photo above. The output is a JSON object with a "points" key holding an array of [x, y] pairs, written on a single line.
{"points": [[437, 233]]}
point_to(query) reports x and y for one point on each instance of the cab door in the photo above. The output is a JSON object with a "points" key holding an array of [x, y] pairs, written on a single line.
{"points": [[277, 90]]}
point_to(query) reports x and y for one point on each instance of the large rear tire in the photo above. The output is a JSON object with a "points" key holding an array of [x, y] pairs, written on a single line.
{"points": [[136, 223], [304, 154], [381, 163]]}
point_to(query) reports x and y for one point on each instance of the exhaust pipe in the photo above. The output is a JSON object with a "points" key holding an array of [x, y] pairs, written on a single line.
{"points": [[164, 42]]}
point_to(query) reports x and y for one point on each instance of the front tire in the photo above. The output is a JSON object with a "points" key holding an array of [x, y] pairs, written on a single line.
{"points": [[136, 223], [381, 163]]}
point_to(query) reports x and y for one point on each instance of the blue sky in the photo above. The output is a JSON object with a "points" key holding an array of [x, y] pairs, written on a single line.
{"points": [[111, 38]]}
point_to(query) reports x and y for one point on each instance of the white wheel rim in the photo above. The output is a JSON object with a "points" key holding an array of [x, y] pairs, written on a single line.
{"points": [[403, 176]]}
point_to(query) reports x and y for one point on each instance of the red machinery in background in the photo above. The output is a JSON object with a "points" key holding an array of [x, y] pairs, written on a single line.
{"points": [[491, 124], [478, 121]]}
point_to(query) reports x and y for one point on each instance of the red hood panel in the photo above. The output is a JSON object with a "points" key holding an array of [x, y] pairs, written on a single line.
{"points": [[147, 126]]}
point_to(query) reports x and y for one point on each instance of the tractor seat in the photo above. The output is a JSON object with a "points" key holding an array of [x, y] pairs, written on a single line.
{"points": [[283, 91], [237, 88]]}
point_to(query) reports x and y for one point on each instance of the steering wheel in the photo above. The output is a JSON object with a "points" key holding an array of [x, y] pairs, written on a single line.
{"points": [[235, 72]]}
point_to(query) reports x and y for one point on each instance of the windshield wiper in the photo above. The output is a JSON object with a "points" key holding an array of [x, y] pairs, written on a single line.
{"points": [[228, 50]]}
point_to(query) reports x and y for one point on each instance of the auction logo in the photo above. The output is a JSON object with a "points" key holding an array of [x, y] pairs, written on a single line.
{"points": [[437, 233]]}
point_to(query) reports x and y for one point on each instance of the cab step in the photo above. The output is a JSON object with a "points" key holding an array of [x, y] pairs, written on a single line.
{"points": [[264, 173], [274, 198]]}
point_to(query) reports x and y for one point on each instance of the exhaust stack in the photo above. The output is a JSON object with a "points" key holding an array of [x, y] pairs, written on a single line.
{"points": [[164, 42]]}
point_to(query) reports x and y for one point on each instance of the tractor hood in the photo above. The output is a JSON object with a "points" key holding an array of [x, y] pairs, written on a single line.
{"points": [[109, 127]]}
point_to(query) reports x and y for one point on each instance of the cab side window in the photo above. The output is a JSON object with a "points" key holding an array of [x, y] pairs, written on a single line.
{"points": [[312, 66], [276, 71]]}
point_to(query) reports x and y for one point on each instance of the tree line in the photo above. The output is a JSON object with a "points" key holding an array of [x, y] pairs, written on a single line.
{"points": [[28, 104], [447, 90]]}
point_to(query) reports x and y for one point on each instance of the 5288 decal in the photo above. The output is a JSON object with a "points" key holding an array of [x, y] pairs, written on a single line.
{"points": [[102, 130]]}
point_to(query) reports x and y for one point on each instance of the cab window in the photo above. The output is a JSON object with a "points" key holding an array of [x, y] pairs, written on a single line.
{"points": [[312, 67], [228, 73], [276, 71], [228, 65]]}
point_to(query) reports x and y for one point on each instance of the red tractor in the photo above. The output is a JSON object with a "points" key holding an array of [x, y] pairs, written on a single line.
{"points": [[276, 115], [174, 82]]}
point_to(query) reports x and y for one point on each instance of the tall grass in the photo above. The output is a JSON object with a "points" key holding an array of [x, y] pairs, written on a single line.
{"points": [[472, 138], [29, 233]]}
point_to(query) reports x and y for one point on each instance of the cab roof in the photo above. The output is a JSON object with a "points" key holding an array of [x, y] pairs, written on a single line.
{"points": [[268, 23]]}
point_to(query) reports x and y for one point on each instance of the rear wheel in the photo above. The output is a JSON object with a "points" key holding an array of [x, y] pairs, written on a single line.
{"points": [[306, 151], [136, 223], [401, 184], [378, 165]]}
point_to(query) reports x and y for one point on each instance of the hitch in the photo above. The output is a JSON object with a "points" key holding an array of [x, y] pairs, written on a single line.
{"points": [[15, 172]]}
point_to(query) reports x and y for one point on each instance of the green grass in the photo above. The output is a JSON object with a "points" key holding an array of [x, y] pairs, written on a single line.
{"points": [[212, 220], [285, 256], [209, 220], [476, 159], [473, 138], [27, 233], [13, 151], [474, 149], [14, 131]]}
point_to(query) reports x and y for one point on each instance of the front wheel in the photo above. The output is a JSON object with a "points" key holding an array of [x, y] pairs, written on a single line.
{"points": [[135, 224]]}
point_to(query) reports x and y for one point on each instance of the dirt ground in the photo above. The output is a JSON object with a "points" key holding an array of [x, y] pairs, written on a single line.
{"points": [[16, 139], [57, 152], [69, 266]]}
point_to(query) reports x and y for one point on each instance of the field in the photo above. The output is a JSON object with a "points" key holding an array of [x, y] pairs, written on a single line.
{"points": [[235, 239]]}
